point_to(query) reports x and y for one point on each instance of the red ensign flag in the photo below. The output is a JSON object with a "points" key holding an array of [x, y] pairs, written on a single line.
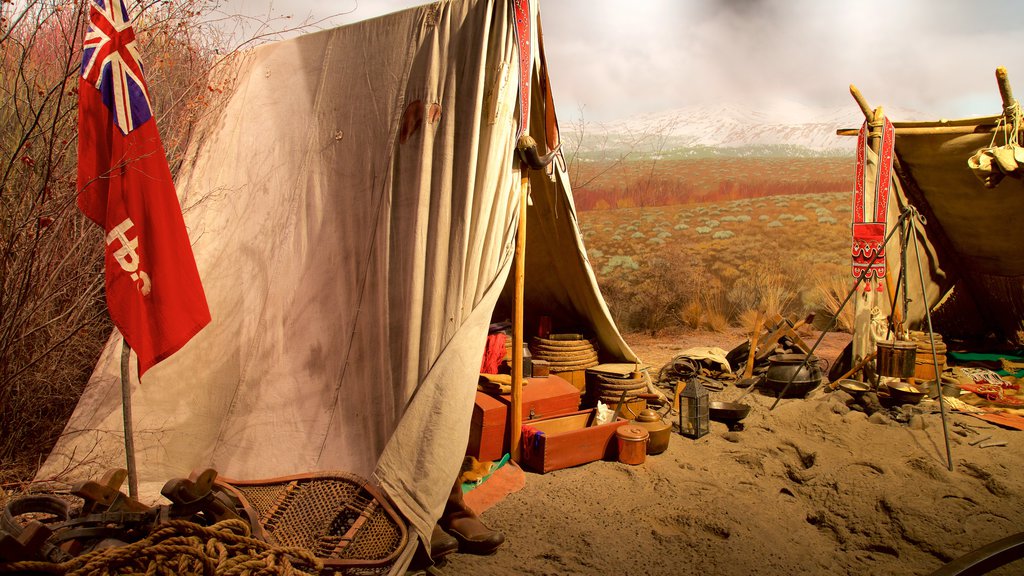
{"points": [[154, 293]]}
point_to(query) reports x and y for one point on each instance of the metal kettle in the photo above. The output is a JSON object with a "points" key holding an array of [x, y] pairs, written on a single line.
{"points": [[658, 428]]}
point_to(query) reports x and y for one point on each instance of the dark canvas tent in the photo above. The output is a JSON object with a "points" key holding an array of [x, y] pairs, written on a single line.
{"points": [[352, 206], [971, 239]]}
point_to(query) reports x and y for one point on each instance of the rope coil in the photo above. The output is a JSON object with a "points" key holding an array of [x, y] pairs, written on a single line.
{"points": [[182, 547]]}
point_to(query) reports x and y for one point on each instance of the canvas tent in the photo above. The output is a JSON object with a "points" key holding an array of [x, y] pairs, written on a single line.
{"points": [[352, 206], [971, 237]]}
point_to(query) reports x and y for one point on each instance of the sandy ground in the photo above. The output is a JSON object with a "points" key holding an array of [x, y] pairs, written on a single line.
{"points": [[808, 488]]}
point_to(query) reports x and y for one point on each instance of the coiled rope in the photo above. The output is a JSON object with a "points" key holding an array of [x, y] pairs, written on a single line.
{"points": [[182, 547]]}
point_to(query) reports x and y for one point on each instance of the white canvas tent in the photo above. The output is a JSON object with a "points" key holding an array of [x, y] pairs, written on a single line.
{"points": [[352, 208]]}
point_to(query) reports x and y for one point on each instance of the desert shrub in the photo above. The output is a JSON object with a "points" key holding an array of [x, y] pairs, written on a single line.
{"points": [[723, 235], [785, 216], [706, 311], [649, 300], [741, 218], [830, 290], [658, 241], [595, 253], [620, 261], [681, 226], [712, 223], [826, 220], [703, 230], [767, 287], [799, 218], [763, 218], [775, 224], [638, 235]]}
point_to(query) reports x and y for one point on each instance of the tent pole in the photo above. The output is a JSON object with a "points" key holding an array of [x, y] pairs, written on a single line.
{"points": [[931, 338], [1005, 91], [126, 408], [870, 114], [515, 430]]}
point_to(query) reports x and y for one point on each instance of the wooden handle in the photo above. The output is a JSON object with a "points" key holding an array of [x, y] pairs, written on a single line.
{"points": [[748, 370], [863, 362]]}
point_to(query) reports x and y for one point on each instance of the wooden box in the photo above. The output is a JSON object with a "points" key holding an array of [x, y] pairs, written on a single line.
{"points": [[542, 397], [568, 440], [578, 378]]}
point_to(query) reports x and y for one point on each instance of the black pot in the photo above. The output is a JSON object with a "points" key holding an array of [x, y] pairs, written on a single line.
{"points": [[792, 370]]}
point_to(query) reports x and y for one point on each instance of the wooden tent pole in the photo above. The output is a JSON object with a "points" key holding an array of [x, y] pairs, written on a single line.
{"points": [[126, 411], [876, 116], [516, 418], [1005, 91], [868, 113]]}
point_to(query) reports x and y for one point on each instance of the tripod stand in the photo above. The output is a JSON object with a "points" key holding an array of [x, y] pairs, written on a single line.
{"points": [[906, 235]]}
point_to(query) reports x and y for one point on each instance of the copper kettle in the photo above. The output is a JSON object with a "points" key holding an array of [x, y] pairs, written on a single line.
{"points": [[658, 428]]}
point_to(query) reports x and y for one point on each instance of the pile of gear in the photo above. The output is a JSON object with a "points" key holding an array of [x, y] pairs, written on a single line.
{"points": [[323, 522]]}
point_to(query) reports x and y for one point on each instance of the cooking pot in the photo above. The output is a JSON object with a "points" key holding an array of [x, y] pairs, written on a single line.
{"points": [[792, 370], [659, 430]]}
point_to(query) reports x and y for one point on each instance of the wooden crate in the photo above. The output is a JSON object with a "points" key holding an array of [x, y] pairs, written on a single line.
{"points": [[568, 440], [542, 397], [577, 378]]}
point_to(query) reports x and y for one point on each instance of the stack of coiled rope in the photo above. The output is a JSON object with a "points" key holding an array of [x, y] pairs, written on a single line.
{"points": [[181, 547], [609, 388], [565, 352]]}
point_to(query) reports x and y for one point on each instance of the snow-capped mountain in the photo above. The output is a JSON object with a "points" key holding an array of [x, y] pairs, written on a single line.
{"points": [[787, 127]]}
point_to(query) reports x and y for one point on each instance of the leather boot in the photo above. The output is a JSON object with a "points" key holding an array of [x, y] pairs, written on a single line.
{"points": [[473, 536], [441, 544], [460, 521]]}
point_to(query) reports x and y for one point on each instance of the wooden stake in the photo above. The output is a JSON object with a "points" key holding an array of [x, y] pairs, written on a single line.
{"points": [[516, 432], [748, 370], [126, 410]]}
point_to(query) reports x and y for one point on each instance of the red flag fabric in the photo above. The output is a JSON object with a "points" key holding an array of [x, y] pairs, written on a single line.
{"points": [[154, 293]]}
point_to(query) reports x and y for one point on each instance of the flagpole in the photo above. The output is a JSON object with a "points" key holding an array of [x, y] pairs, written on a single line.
{"points": [[126, 407]]}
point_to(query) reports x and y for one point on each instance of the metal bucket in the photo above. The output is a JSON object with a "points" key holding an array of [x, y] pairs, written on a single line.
{"points": [[896, 358]]}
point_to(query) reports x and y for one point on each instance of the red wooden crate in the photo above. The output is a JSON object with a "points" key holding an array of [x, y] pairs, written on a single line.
{"points": [[568, 440], [542, 397]]}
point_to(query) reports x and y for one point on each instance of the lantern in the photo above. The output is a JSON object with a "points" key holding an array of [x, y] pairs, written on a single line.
{"points": [[693, 410]]}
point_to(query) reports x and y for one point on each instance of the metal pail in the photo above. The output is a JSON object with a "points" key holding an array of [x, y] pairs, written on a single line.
{"points": [[896, 358]]}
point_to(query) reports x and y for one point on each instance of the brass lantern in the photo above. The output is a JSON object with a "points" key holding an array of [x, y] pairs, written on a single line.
{"points": [[693, 410]]}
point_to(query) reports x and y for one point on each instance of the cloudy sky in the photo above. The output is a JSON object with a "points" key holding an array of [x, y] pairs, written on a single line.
{"points": [[613, 59]]}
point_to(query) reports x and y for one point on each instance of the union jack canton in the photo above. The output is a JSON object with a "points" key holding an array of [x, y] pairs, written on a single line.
{"points": [[110, 61]]}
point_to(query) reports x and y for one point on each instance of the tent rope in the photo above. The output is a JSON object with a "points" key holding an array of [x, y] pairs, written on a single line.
{"points": [[182, 547]]}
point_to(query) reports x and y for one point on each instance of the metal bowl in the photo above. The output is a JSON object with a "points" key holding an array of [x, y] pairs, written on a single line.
{"points": [[905, 394], [853, 387]]}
